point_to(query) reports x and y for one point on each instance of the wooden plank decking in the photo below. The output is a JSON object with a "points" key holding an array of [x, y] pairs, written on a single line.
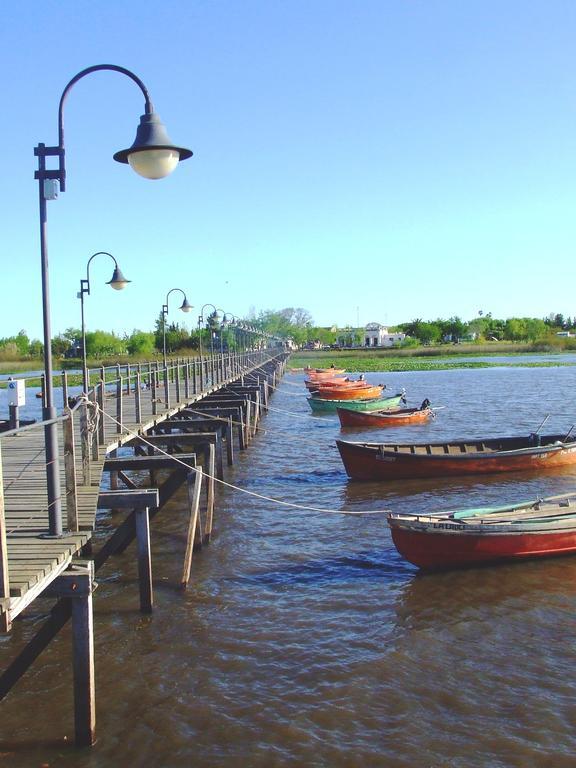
{"points": [[34, 559]]}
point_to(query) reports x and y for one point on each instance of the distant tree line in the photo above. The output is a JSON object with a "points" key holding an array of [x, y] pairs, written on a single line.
{"points": [[289, 323]]}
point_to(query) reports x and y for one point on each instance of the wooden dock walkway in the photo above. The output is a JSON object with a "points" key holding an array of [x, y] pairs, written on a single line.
{"points": [[123, 404]]}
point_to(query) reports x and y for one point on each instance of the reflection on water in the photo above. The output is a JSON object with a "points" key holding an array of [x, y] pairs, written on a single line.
{"points": [[305, 639]]}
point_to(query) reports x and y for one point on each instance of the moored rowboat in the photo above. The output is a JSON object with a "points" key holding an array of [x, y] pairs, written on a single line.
{"points": [[319, 405], [385, 418], [336, 381], [323, 373], [392, 461], [538, 528], [360, 392]]}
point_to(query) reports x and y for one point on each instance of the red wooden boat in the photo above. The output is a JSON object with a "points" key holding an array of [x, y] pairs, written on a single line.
{"points": [[457, 539], [388, 417], [378, 461], [364, 392]]}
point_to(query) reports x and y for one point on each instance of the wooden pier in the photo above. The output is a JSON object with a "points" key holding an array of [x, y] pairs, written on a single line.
{"points": [[188, 417]]}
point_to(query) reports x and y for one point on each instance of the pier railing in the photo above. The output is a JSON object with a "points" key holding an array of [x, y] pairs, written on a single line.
{"points": [[122, 401]]}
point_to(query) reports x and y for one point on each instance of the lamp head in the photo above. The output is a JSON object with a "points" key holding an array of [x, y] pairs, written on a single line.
{"points": [[118, 281], [152, 155], [186, 307]]}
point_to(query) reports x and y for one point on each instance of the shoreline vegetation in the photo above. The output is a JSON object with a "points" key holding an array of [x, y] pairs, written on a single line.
{"points": [[429, 358], [443, 357]]}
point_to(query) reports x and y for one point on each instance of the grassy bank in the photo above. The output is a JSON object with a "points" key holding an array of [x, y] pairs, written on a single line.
{"points": [[422, 359]]}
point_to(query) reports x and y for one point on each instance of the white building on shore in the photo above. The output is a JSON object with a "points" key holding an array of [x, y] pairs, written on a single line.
{"points": [[376, 335]]}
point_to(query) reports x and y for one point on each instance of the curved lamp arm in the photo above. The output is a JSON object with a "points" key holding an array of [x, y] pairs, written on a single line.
{"points": [[118, 281], [186, 306], [151, 137], [201, 317]]}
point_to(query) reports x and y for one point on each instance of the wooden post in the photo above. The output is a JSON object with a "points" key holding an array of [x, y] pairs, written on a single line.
{"points": [[177, 381], [64, 390], [85, 444], [70, 472], [248, 422], [144, 559], [4, 575], [101, 425], [241, 431], [94, 435], [219, 456], [80, 594], [211, 488], [229, 442], [187, 380], [153, 391], [257, 412], [127, 378], [137, 402], [119, 396], [113, 475], [166, 389], [194, 483]]}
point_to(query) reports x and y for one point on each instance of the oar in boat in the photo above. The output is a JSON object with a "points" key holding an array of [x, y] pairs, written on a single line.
{"points": [[528, 505]]}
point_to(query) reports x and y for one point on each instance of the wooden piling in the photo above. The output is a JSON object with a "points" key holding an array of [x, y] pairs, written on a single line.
{"points": [[194, 483], [81, 585], [210, 490], [144, 560]]}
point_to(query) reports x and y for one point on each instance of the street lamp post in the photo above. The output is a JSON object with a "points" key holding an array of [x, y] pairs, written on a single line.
{"points": [[118, 282], [153, 156], [200, 323], [223, 323], [186, 307]]}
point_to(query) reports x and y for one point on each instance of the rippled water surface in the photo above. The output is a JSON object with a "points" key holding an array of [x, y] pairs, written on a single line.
{"points": [[304, 639]]}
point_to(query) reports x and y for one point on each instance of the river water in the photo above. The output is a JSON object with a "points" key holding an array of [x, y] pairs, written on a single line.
{"points": [[304, 639]]}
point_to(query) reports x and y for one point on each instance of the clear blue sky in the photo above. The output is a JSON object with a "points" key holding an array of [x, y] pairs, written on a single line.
{"points": [[379, 160]]}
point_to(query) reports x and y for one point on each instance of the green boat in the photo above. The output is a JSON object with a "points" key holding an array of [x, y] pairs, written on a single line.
{"points": [[319, 405]]}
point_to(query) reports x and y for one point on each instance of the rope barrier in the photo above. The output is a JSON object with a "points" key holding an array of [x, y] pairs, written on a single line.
{"points": [[244, 490]]}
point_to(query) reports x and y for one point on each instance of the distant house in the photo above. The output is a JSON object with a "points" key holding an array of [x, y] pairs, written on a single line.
{"points": [[376, 335], [564, 334]]}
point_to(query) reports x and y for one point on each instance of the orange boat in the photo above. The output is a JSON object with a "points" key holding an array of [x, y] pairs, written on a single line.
{"points": [[323, 373], [346, 383], [365, 392], [386, 418]]}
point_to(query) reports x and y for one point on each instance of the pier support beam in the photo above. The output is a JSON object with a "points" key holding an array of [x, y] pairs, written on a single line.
{"points": [[78, 583], [144, 560]]}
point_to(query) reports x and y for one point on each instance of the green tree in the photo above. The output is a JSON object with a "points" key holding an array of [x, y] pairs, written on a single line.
{"points": [[515, 329], [141, 344], [23, 343], [60, 345], [429, 333], [102, 343], [535, 329], [36, 348]]}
